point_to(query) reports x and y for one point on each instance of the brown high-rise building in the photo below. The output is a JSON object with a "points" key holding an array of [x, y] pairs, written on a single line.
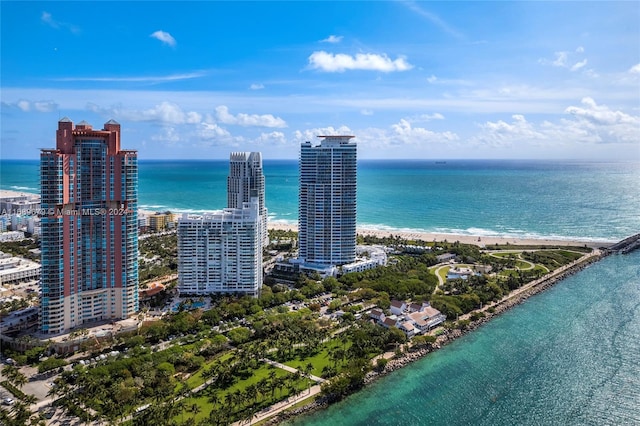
{"points": [[89, 237]]}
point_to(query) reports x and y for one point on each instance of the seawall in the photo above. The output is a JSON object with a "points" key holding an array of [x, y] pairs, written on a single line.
{"points": [[627, 245]]}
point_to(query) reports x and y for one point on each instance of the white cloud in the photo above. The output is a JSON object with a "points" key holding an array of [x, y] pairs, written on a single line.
{"points": [[561, 59], [589, 123], [164, 37], [169, 135], [405, 133], [501, 133], [312, 134], [273, 138], [210, 131], [47, 18], [579, 65], [341, 62], [366, 112], [23, 105], [164, 113], [45, 106], [142, 79], [605, 125], [433, 18], [432, 79], [397, 135], [332, 39], [256, 86], [425, 118], [39, 106], [635, 69], [247, 120]]}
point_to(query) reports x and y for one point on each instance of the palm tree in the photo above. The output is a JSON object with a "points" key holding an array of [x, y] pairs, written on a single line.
{"points": [[10, 372], [252, 392], [263, 386], [215, 418], [291, 389], [214, 399], [195, 409], [307, 372], [29, 399], [20, 379], [229, 403]]}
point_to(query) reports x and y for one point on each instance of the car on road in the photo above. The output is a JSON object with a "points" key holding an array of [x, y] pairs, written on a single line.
{"points": [[7, 401]]}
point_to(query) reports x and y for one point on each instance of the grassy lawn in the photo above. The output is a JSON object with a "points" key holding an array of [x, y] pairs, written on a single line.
{"points": [[542, 269], [205, 406], [523, 265], [507, 254], [442, 273], [319, 360], [571, 254], [196, 379], [508, 273]]}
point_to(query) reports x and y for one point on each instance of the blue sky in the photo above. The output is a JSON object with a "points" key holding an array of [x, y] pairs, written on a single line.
{"points": [[539, 80]]}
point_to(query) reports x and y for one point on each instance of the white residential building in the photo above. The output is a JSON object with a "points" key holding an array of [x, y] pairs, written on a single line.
{"points": [[412, 319], [369, 257], [19, 203], [15, 270], [221, 252]]}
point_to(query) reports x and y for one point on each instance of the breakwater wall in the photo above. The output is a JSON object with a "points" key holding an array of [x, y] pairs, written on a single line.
{"points": [[627, 245]]}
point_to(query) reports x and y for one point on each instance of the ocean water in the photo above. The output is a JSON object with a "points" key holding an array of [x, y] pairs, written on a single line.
{"points": [[567, 356], [523, 199]]}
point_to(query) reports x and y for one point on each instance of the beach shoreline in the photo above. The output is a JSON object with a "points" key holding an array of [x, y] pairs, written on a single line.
{"points": [[478, 240]]}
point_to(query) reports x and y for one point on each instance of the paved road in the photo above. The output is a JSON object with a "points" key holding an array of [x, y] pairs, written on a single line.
{"points": [[281, 406], [292, 370]]}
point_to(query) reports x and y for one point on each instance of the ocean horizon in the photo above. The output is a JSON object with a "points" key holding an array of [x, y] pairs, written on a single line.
{"points": [[526, 199]]}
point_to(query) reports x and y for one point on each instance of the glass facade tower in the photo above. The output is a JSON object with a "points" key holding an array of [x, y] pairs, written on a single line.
{"points": [[246, 181], [89, 241], [327, 201]]}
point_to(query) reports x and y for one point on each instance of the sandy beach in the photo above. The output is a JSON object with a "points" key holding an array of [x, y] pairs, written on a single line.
{"points": [[478, 240], [9, 193]]}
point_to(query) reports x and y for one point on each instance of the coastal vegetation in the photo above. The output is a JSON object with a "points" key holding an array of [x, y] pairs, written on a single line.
{"points": [[22, 248], [218, 366], [158, 256]]}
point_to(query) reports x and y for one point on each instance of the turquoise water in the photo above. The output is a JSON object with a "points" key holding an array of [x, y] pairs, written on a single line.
{"points": [[597, 201], [567, 356]]}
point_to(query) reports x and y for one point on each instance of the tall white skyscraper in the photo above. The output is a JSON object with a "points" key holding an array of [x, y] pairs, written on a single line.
{"points": [[245, 181], [327, 201], [221, 252]]}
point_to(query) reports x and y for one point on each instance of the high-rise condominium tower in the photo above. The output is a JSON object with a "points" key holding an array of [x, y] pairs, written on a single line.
{"points": [[221, 252], [246, 181], [89, 239], [327, 201]]}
